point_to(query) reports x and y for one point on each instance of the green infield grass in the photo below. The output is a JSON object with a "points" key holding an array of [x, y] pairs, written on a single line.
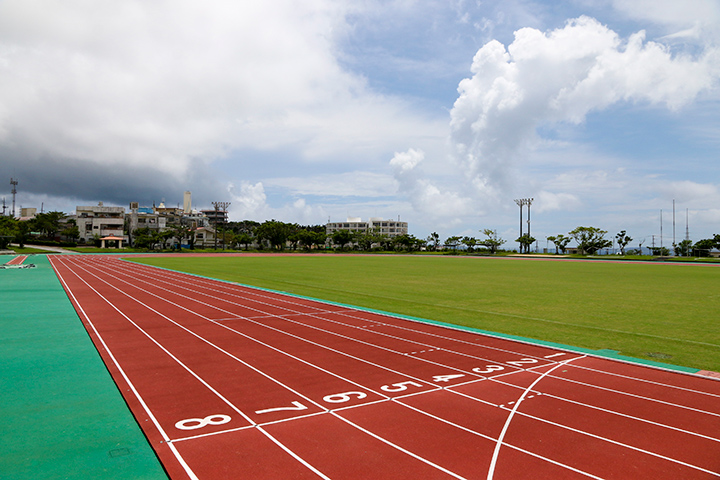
{"points": [[663, 312]]}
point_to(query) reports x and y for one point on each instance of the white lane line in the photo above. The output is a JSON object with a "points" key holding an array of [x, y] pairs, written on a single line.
{"points": [[269, 377], [471, 343], [291, 321], [613, 412], [496, 452], [487, 437], [407, 452], [651, 382], [293, 454], [347, 312], [668, 426], [650, 399], [270, 346], [139, 397], [160, 429], [280, 383], [591, 435], [168, 353], [616, 442], [252, 291]]}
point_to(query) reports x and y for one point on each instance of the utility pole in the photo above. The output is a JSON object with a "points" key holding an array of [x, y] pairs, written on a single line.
{"points": [[14, 183], [673, 222], [520, 202], [220, 207]]}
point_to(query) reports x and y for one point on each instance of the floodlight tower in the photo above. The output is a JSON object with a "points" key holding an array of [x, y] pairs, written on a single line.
{"points": [[529, 202], [520, 202], [14, 183]]}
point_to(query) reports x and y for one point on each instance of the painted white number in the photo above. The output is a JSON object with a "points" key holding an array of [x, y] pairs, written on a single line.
{"points": [[296, 406], [522, 361], [399, 387], [489, 369], [195, 423], [446, 378], [343, 397]]}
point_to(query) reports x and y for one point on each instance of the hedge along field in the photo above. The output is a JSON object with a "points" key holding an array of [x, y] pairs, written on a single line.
{"points": [[663, 312]]}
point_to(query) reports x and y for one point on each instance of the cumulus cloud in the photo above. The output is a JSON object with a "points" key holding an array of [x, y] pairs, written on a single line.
{"points": [[426, 197], [174, 86], [545, 78], [549, 201], [248, 201]]}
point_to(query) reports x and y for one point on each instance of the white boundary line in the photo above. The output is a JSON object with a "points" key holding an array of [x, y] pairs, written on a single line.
{"points": [[496, 452], [157, 424], [149, 413], [280, 383], [556, 366], [258, 292]]}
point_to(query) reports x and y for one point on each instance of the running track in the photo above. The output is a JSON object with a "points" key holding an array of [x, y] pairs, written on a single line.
{"points": [[228, 381]]}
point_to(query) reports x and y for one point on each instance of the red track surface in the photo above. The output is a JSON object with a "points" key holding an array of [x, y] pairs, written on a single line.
{"points": [[17, 260], [233, 382]]}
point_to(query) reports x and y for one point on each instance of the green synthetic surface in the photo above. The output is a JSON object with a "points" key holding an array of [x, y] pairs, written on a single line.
{"points": [[655, 313], [62, 415]]}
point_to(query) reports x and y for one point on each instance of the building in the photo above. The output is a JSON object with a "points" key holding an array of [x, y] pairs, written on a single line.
{"points": [[391, 228], [215, 217], [99, 220]]}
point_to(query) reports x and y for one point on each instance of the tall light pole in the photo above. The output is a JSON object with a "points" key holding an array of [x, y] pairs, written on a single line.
{"points": [[219, 207], [14, 183], [521, 202]]}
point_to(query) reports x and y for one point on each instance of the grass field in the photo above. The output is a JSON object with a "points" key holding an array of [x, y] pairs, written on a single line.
{"points": [[663, 312]]}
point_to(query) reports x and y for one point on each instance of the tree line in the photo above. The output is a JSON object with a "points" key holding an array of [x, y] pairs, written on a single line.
{"points": [[55, 228]]}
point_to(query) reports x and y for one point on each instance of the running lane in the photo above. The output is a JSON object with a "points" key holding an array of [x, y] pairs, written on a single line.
{"points": [[229, 381]]}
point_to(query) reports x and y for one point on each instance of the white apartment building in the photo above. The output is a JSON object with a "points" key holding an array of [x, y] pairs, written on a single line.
{"points": [[99, 220], [391, 228]]}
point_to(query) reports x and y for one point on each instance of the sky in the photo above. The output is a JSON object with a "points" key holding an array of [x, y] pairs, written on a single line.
{"points": [[438, 112]]}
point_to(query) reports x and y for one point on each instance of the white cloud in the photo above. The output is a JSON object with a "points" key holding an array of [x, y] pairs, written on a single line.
{"points": [[249, 202], [427, 199], [559, 76], [173, 84], [348, 184], [550, 201]]}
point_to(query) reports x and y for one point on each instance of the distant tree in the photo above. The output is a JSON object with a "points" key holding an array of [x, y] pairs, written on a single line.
{"points": [[702, 247], [660, 251], [525, 242], [684, 248], [560, 241], [622, 240], [453, 242], [317, 238], [366, 240], [48, 224], [276, 233], [590, 239], [8, 231], [470, 243], [492, 242], [342, 238], [433, 240], [143, 238]]}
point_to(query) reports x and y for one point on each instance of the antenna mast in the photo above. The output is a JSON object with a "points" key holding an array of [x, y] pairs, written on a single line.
{"points": [[14, 183]]}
